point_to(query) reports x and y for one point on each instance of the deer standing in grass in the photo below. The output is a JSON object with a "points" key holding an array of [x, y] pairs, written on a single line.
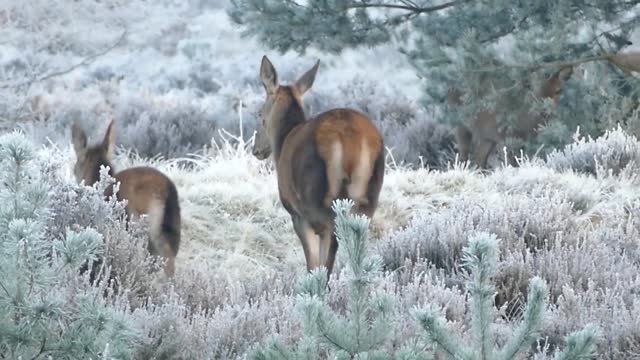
{"points": [[483, 134], [147, 191], [336, 154]]}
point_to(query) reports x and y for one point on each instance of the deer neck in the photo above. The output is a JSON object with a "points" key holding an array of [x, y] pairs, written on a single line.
{"points": [[292, 117]]}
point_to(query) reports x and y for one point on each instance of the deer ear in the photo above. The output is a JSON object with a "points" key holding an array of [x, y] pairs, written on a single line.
{"points": [[305, 82], [79, 138], [268, 75], [109, 141]]}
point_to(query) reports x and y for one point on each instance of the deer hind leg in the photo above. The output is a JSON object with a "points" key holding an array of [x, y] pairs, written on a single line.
{"points": [[159, 244], [309, 240], [167, 253], [170, 265], [360, 176], [483, 150], [463, 140], [335, 173], [328, 248], [373, 189]]}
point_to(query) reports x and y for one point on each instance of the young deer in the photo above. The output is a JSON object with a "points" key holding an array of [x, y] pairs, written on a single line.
{"points": [[336, 154], [483, 133], [147, 190]]}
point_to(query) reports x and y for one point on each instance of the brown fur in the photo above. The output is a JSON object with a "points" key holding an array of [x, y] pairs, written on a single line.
{"points": [[336, 154], [147, 191], [483, 134]]}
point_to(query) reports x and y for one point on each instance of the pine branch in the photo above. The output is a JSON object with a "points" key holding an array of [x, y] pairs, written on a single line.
{"points": [[480, 258], [531, 323], [435, 327], [580, 344], [5, 289], [506, 32]]}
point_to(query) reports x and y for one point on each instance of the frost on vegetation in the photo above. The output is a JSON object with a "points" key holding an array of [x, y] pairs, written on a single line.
{"points": [[616, 152], [173, 84], [47, 309], [584, 260], [365, 326], [206, 312], [126, 260]]}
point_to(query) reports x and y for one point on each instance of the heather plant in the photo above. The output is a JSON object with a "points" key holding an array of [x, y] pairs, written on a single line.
{"points": [[614, 152], [47, 309], [125, 258], [584, 252], [365, 326]]}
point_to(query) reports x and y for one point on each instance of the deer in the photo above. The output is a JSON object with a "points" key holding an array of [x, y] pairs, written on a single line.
{"points": [[335, 154], [147, 191], [483, 133]]}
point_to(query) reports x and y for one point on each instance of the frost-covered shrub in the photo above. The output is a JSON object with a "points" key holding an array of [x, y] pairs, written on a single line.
{"points": [[126, 259], [173, 331], [421, 142], [149, 125], [585, 252], [169, 131], [618, 318], [47, 309], [440, 236], [365, 324], [615, 151]]}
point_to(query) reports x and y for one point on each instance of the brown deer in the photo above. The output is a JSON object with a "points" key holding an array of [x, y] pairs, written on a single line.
{"points": [[336, 154], [483, 133], [147, 191]]}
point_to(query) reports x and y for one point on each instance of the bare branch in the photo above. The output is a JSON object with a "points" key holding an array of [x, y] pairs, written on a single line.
{"points": [[408, 7], [86, 61], [557, 64], [627, 62]]}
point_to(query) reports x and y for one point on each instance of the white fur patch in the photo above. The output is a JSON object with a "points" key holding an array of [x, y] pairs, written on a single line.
{"points": [[335, 172], [155, 215], [313, 244], [361, 174]]}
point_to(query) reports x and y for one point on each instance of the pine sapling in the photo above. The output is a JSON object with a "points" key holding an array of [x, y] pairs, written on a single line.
{"points": [[480, 259], [47, 310], [366, 324]]}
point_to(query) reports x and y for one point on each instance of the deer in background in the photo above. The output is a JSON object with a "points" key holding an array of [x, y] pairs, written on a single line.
{"points": [[483, 135], [147, 191], [336, 154]]}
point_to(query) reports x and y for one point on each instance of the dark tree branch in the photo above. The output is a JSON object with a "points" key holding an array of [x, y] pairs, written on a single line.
{"points": [[556, 64], [408, 6]]}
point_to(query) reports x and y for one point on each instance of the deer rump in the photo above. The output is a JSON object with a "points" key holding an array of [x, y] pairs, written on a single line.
{"points": [[350, 150]]}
